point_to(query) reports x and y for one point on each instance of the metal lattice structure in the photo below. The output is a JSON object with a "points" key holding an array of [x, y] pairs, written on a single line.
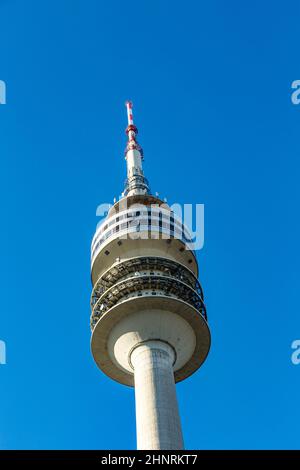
{"points": [[145, 276]]}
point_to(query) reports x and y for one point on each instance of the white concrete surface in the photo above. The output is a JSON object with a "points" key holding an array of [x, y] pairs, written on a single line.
{"points": [[134, 165], [157, 417], [107, 350], [151, 324], [142, 246]]}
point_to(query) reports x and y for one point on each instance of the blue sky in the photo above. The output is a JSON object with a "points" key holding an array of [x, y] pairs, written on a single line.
{"points": [[211, 85]]}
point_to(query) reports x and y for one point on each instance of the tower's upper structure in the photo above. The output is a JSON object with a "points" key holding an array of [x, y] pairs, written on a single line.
{"points": [[136, 182], [148, 321]]}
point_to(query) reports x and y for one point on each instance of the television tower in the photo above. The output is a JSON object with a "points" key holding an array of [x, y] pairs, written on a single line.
{"points": [[148, 321]]}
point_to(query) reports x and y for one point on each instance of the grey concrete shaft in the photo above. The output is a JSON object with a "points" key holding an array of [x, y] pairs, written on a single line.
{"points": [[157, 417]]}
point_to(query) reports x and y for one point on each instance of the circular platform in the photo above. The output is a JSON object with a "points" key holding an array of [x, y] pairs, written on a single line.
{"points": [[102, 332]]}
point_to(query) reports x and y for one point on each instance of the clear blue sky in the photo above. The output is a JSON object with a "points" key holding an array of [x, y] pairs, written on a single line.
{"points": [[211, 86]]}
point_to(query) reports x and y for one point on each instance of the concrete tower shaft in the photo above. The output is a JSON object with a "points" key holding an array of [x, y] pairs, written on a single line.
{"points": [[148, 321], [157, 416]]}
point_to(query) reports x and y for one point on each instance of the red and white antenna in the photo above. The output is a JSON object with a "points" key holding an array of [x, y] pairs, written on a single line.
{"points": [[131, 129], [129, 106], [137, 183]]}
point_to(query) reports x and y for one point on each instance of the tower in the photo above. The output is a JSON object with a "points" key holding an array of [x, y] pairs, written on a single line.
{"points": [[148, 321]]}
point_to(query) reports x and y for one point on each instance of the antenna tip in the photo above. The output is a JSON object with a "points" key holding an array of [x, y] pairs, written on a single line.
{"points": [[129, 104]]}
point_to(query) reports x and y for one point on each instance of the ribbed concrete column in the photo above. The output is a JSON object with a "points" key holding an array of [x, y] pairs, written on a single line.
{"points": [[157, 417]]}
